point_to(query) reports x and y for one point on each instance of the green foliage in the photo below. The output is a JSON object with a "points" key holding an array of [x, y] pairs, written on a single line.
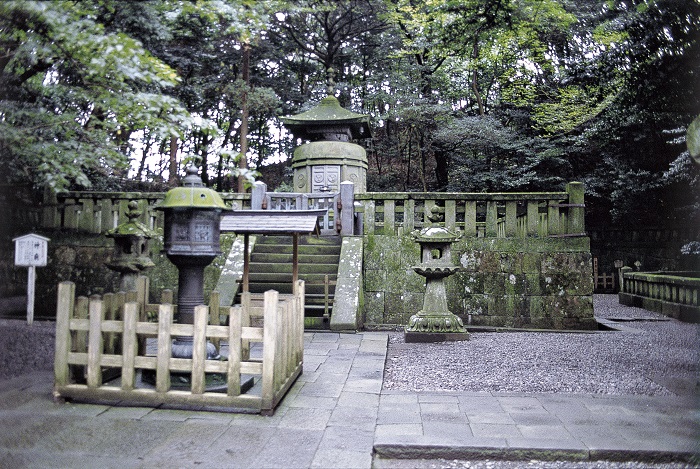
{"points": [[464, 94], [574, 107], [71, 89]]}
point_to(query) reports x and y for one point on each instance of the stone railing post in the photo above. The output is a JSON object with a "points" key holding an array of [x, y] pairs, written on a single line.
{"points": [[49, 216], [257, 195], [576, 214], [347, 208], [624, 287]]}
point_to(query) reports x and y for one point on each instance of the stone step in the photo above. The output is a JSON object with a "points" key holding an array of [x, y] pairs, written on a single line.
{"points": [[286, 258], [303, 249], [282, 277], [286, 288], [303, 240], [286, 268], [271, 269]]}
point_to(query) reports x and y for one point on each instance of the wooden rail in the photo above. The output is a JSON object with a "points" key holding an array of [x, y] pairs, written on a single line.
{"points": [[84, 342]]}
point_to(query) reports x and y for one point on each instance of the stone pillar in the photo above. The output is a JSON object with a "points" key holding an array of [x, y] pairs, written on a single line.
{"points": [[577, 211], [257, 195], [347, 212]]}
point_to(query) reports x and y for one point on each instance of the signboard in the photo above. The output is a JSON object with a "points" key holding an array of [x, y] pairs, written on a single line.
{"points": [[31, 250]]}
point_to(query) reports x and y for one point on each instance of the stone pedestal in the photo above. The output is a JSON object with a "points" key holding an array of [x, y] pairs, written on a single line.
{"points": [[435, 323]]}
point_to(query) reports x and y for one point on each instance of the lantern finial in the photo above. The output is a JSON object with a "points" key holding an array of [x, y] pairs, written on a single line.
{"points": [[330, 82], [192, 179]]}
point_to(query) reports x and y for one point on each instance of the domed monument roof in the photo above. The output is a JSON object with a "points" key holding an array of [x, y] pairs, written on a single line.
{"points": [[328, 120]]}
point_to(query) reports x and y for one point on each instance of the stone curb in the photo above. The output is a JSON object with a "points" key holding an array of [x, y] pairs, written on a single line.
{"points": [[389, 451]]}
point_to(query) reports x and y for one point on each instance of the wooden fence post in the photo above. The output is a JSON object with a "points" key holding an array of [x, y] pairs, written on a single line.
{"points": [[129, 345], [245, 322], [165, 344], [235, 354], [64, 311], [215, 315], [270, 304], [298, 322], [199, 348], [95, 343]]}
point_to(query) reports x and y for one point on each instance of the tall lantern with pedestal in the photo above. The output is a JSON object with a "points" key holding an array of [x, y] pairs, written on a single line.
{"points": [[191, 241]]}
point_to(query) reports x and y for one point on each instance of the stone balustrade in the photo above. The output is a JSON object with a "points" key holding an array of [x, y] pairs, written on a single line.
{"points": [[99, 212], [674, 294], [483, 215]]}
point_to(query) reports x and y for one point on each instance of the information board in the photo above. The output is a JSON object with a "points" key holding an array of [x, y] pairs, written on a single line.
{"points": [[31, 250]]}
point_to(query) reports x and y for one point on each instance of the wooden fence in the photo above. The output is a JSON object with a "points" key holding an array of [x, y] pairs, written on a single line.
{"points": [[492, 215], [112, 338]]}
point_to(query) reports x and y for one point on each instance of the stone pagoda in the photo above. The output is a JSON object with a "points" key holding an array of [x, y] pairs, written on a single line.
{"points": [[329, 157]]}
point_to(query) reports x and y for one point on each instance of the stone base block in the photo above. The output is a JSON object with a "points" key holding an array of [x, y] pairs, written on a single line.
{"points": [[430, 337]]}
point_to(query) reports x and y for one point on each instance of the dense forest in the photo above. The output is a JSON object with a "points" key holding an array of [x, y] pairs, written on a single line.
{"points": [[463, 95]]}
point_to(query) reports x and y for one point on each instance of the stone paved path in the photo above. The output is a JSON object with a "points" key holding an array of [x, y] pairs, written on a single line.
{"points": [[336, 415]]}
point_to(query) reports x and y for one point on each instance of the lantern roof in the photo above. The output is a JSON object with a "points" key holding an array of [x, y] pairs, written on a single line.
{"points": [[328, 113], [192, 194], [435, 234], [133, 227]]}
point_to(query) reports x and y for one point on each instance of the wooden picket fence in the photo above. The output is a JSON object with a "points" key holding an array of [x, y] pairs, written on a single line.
{"points": [[114, 333]]}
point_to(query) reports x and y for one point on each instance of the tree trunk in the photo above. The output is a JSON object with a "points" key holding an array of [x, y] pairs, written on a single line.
{"points": [[441, 170], [172, 177], [243, 162], [144, 155], [475, 76]]}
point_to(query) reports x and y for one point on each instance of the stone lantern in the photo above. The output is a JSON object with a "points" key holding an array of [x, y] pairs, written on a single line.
{"points": [[132, 248], [435, 323], [191, 242], [330, 157]]}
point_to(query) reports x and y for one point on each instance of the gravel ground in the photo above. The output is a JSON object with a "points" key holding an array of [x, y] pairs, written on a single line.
{"points": [[26, 347], [650, 355]]}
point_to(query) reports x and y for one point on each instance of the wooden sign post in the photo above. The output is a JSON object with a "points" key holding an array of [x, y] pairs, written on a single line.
{"points": [[31, 251]]}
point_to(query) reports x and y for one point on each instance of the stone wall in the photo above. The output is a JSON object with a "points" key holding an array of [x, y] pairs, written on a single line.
{"points": [[526, 283]]}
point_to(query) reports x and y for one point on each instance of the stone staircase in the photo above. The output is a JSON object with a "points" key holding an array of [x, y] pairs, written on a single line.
{"points": [[271, 269]]}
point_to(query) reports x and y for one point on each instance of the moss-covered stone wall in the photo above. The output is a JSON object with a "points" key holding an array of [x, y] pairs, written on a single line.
{"points": [[526, 282]]}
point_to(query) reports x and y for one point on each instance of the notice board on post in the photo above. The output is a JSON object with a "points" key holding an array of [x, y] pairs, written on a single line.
{"points": [[31, 250]]}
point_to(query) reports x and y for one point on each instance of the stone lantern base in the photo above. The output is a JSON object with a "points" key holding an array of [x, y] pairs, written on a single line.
{"points": [[436, 327]]}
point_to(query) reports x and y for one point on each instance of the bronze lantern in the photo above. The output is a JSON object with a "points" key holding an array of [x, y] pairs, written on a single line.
{"points": [[191, 242]]}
